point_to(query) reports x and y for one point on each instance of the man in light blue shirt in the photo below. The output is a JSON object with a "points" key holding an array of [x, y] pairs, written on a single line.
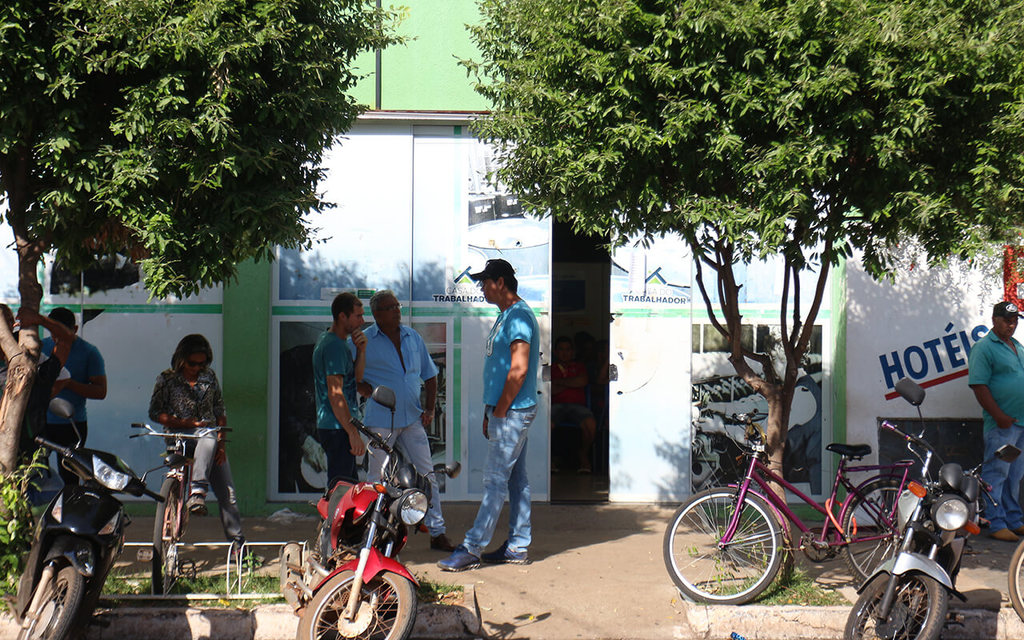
{"points": [[396, 357], [511, 357], [996, 375]]}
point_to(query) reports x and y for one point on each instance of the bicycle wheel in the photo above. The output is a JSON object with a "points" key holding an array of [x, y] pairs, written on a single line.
{"points": [[870, 526], [708, 571], [167, 531], [1017, 579], [918, 613]]}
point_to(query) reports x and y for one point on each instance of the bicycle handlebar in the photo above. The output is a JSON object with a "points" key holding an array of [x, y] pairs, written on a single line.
{"points": [[907, 436], [150, 431]]}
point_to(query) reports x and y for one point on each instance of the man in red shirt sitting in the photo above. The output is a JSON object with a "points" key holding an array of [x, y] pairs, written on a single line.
{"points": [[569, 398]]}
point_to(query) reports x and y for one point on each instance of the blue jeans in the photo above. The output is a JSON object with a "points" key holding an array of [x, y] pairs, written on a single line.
{"points": [[504, 471], [1005, 479], [341, 464], [412, 440]]}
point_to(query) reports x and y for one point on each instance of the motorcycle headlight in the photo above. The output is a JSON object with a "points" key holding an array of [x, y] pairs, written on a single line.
{"points": [[412, 507], [108, 476], [950, 512]]}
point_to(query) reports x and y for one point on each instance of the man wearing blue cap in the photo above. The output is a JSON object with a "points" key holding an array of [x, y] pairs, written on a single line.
{"points": [[511, 357]]}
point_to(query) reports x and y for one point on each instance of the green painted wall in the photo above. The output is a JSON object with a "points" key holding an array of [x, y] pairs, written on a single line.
{"points": [[246, 370], [424, 74], [838, 277]]}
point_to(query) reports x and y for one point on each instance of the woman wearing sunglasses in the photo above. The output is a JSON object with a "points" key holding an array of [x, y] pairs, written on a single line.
{"points": [[187, 397]]}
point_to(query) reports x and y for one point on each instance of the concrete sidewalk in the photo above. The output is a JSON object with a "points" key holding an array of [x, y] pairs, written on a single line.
{"points": [[597, 574]]}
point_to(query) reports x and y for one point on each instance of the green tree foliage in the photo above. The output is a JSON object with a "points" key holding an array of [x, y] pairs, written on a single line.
{"points": [[16, 523], [803, 129], [187, 133]]}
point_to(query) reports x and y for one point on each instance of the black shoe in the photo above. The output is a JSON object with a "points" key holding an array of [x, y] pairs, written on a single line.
{"points": [[441, 543], [504, 555], [196, 504]]}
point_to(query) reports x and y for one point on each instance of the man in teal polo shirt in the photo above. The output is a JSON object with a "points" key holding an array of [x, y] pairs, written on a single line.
{"points": [[335, 372], [996, 375]]}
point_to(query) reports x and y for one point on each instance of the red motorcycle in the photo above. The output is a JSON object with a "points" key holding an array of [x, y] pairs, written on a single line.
{"points": [[348, 582]]}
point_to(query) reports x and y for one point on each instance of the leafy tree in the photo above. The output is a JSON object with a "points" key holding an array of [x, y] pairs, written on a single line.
{"points": [[186, 133], [809, 130]]}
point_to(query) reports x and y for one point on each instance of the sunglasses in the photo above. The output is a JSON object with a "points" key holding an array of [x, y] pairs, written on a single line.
{"points": [[200, 364]]}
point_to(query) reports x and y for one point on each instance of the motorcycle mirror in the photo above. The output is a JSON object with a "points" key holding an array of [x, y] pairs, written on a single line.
{"points": [[1007, 453], [910, 391], [384, 396], [64, 409]]}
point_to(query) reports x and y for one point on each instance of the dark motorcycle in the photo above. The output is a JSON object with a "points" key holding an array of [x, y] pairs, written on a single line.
{"points": [[907, 596], [76, 540], [349, 583]]}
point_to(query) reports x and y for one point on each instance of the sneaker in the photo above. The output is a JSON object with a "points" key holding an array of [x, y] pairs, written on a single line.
{"points": [[196, 504], [1005, 535], [504, 555], [441, 543], [460, 560]]}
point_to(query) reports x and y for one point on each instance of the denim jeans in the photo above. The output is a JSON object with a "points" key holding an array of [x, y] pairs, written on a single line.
{"points": [[341, 464], [412, 440], [207, 474], [1005, 479], [504, 472]]}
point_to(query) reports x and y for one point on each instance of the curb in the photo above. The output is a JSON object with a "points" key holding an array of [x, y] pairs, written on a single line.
{"points": [[264, 622], [760, 622]]}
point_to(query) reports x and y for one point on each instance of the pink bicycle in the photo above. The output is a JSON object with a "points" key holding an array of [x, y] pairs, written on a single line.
{"points": [[725, 545]]}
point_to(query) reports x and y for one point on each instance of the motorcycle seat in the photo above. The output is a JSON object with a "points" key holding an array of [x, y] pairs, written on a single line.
{"points": [[850, 450]]}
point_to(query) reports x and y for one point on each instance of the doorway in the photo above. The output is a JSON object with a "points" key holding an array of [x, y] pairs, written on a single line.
{"points": [[580, 312]]}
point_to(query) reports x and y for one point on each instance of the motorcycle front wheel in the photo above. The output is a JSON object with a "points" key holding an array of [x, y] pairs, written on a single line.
{"points": [[706, 570], [1017, 580], [59, 606], [387, 610], [918, 613]]}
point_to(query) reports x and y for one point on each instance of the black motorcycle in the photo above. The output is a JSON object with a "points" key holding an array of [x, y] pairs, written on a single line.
{"points": [[76, 539], [907, 596]]}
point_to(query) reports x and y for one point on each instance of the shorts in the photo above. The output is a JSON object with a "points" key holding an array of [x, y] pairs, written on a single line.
{"points": [[566, 413]]}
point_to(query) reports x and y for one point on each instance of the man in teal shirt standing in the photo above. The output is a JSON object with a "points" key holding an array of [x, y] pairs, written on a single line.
{"points": [[511, 357], [996, 375], [334, 383]]}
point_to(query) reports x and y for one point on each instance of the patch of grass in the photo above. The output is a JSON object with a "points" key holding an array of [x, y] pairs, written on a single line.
{"points": [[140, 584], [429, 592], [798, 588], [438, 592]]}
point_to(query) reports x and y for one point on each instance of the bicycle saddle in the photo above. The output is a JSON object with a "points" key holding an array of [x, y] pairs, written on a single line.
{"points": [[850, 450]]}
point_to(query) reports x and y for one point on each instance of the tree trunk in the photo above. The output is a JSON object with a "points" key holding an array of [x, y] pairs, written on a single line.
{"points": [[22, 357]]}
